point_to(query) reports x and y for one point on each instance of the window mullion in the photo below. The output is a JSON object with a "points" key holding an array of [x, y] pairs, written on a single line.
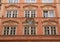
{"points": [[50, 29], [48, 14], [6, 30], [12, 12], [9, 30], [30, 13], [29, 30]]}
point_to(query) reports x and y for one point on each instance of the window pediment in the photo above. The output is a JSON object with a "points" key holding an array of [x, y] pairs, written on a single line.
{"points": [[12, 6], [34, 6], [48, 7], [10, 22], [49, 23]]}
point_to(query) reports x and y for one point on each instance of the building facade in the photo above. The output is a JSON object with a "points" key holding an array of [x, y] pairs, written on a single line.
{"points": [[29, 20]]}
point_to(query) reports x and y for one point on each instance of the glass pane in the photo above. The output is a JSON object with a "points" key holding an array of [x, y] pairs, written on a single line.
{"points": [[27, 13], [33, 1], [26, 30], [28, 1], [51, 13], [15, 1], [10, 1], [45, 13], [44, 1], [50, 1]]}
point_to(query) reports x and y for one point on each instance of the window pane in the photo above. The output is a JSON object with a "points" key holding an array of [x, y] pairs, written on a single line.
{"points": [[50, 1], [44, 1], [11, 13], [50, 30], [45, 13], [33, 1], [30, 13], [12, 1], [47, 31], [27, 13], [53, 30], [26, 30], [47, 1], [28, 1], [48, 13], [15, 1], [51, 13], [33, 13], [33, 30], [9, 30], [14, 13], [8, 13]]}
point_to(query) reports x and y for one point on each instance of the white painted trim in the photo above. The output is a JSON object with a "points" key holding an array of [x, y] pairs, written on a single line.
{"points": [[47, 1], [24, 13], [36, 13], [30, 1]]}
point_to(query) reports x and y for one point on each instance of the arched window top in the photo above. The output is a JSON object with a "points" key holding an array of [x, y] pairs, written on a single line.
{"points": [[49, 23], [12, 6], [48, 7], [30, 7], [10, 22]]}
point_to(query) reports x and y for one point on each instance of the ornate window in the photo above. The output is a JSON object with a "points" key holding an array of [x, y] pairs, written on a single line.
{"points": [[12, 13], [30, 13], [48, 13], [50, 30], [29, 30], [9, 30], [30, 27], [9, 27]]}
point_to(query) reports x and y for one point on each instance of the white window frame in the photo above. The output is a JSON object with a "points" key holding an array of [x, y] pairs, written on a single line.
{"points": [[29, 28], [10, 28], [49, 30], [47, 1], [30, 1], [11, 13], [48, 13], [30, 14], [13, 1]]}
